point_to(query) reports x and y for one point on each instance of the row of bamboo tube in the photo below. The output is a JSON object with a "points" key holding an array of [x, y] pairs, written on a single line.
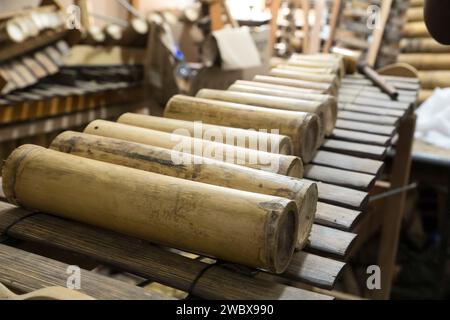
{"points": [[420, 50], [135, 34], [159, 180], [22, 27]]}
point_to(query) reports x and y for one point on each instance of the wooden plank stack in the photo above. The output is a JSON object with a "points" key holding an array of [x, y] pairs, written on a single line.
{"points": [[421, 51], [161, 181]]}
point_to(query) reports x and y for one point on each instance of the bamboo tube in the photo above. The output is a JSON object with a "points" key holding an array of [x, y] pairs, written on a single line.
{"points": [[328, 101], [427, 61], [415, 29], [136, 33], [350, 58], [272, 162], [252, 139], [427, 45], [159, 160], [95, 36], [414, 14], [320, 109], [434, 79], [321, 58], [242, 227], [265, 85], [424, 95], [416, 3], [114, 34], [319, 86], [280, 91], [11, 31], [303, 128], [319, 70], [306, 76]]}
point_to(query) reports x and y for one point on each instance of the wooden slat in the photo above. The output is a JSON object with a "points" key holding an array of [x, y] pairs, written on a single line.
{"points": [[373, 89], [341, 161], [371, 94], [356, 149], [357, 125], [316, 270], [336, 217], [355, 180], [341, 196], [27, 272], [371, 110], [149, 261], [333, 242], [361, 137], [398, 84], [389, 104], [368, 118]]}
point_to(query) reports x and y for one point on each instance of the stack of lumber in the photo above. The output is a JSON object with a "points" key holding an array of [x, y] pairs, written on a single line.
{"points": [[285, 206], [133, 33], [354, 32], [420, 50]]}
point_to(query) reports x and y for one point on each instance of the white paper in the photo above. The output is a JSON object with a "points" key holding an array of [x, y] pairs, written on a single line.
{"points": [[433, 119], [237, 48]]}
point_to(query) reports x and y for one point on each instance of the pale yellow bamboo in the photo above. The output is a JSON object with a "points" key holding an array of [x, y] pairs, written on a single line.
{"points": [[329, 102], [327, 123], [251, 139], [272, 162], [426, 45], [303, 128], [318, 86], [427, 61], [159, 160], [233, 225]]}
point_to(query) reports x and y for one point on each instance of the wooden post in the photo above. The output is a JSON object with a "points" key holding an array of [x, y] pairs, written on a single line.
{"points": [[333, 25], [393, 214], [378, 33], [315, 39], [85, 21], [306, 28]]}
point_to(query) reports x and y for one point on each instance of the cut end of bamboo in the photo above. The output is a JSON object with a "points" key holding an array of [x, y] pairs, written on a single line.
{"points": [[282, 234], [307, 207], [311, 137], [12, 167]]}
